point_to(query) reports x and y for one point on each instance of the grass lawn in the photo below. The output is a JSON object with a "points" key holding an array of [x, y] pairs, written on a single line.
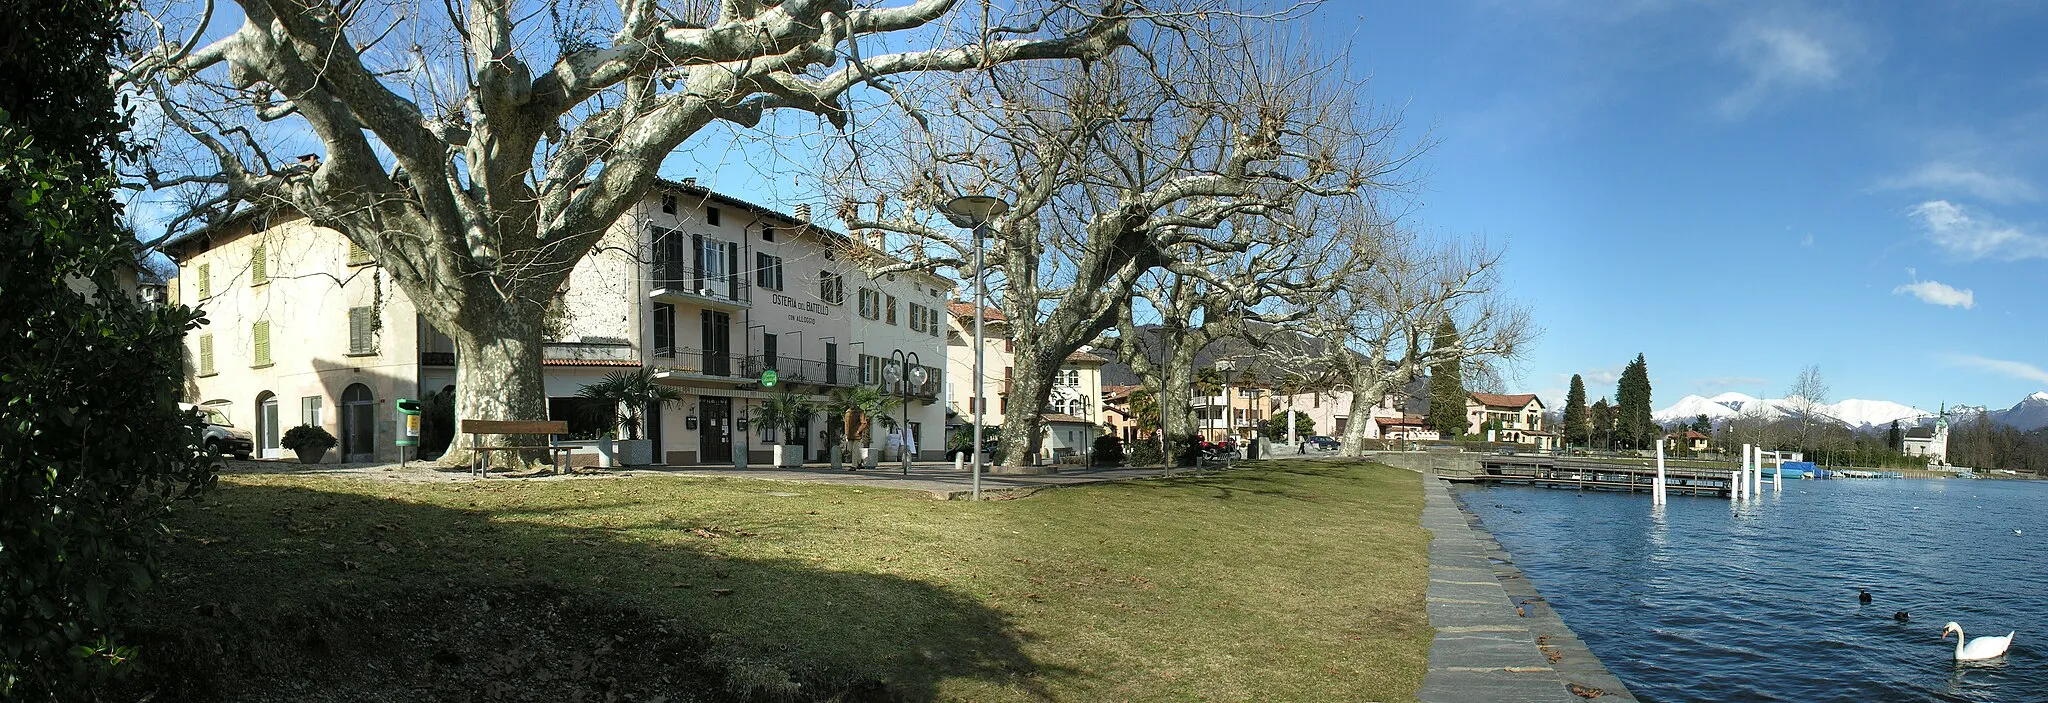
{"points": [[1292, 580]]}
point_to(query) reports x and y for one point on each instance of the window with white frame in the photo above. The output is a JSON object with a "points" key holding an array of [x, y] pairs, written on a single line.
{"points": [[768, 271], [870, 303], [831, 288]]}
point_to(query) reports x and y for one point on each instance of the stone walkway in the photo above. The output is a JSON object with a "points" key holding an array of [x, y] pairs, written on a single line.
{"points": [[1496, 639]]}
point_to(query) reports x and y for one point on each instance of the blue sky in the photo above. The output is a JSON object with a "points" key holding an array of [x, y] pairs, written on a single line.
{"points": [[1738, 190]]}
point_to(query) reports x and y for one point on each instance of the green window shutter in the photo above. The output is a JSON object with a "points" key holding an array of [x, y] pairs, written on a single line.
{"points": [[205, 354], [357, 255], [359, 331], [205, 281], [259, 269], [261, 332]]}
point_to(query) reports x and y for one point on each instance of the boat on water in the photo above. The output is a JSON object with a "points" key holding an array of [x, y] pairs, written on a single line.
{"points": [[1857, 473], [1794, 470]]}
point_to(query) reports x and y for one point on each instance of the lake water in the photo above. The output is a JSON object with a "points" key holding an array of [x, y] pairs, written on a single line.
{"points": [[1708, 600]]}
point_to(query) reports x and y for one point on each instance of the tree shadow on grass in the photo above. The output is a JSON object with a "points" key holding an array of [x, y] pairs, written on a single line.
{"points": [[1276, 479], [288, 593]]}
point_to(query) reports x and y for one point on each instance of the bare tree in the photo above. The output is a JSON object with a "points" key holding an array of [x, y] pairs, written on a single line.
{"points": [[1808, 397], [1139, 160], [1204, 296], [1377, 332], [478, 150]]}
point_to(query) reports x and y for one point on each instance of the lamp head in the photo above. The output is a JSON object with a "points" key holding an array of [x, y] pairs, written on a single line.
{"points": [[974, 210]]}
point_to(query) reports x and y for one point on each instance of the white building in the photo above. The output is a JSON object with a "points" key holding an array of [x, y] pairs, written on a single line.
{"points": [[1930, 442], [1331, 412], [707, 290]]}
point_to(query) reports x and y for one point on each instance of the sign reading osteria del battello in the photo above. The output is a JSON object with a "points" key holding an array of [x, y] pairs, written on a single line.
{"points": [[812, 307]]}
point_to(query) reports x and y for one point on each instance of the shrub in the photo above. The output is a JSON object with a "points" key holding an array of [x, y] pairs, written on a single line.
{"points": [[307, 437], [1144, 453], [1109, 450]]}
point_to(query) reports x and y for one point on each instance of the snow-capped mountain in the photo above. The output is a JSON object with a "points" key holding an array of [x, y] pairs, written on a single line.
{"points": [[2031, 413], [1854, 412]]}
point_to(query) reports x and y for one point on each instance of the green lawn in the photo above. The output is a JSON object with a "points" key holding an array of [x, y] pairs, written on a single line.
{"points": [[1294, 580]]}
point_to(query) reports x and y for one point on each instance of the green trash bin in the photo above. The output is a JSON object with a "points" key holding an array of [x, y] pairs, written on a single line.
{"points": [[408, 422]]}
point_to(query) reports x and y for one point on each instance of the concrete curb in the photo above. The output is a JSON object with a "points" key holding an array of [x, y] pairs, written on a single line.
{"points": [[1496, 639]]}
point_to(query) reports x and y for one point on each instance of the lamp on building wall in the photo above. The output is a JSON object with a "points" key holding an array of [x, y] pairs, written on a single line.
{"points": [[975, 212]]}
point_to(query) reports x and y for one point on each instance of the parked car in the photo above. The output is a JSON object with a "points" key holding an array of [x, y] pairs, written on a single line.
{"points": [[1324, 442], [221, 437]]}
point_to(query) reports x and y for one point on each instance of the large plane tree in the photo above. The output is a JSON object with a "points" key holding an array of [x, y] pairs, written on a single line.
{"points": [[477, 150]]}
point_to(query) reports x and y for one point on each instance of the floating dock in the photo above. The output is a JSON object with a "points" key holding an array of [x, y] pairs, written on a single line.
{"points": [[1591, 474]]}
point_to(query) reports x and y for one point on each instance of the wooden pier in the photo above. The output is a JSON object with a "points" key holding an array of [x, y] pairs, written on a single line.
{"points": [[1592, 474]]}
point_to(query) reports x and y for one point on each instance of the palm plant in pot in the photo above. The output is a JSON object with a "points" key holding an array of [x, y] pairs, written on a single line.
{"points": [[788, 413], [310, 442], [622, 398], [857, 410]]}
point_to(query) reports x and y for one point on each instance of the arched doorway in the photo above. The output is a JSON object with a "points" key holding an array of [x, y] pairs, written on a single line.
{"points": [[358, 424], [267, 432]]}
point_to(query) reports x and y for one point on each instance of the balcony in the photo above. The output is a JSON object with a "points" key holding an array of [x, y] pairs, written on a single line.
{"points": [[686, 366], [677, 282], [790, 369]]}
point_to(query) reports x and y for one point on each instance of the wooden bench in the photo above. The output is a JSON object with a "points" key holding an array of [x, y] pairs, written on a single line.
{"points": [[479, 453]]}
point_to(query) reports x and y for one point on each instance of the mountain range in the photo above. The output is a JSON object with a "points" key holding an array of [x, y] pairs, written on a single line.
{"points": [[2029, 414]]}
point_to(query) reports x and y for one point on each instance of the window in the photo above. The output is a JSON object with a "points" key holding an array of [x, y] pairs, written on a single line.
{"points": [[767, 234], [1009, 346], [309, 410], [916, 317], [357, 255], [710, 215], [1070, 378], [870, 304], [204, 280], [870, 369], [206, 355], [831, 288], [889, 310], [768, 271], [361, 331], [770, 351], [933, 323], [668, 203], [259, 268], [261, 332], [664, 329]]}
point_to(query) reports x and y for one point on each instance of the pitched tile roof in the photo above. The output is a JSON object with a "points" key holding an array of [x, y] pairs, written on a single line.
{"points": [[966, 310], [1497, 400]]}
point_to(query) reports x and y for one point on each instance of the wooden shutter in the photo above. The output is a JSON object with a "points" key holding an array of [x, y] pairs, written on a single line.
{"points": [[205, 281], [889, 310], [259, 269], [357, 255], [205, 355], [359, 332], [261, 331]]}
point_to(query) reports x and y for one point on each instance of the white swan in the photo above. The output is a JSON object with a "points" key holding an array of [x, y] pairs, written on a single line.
{"points": [[1980, 648]]}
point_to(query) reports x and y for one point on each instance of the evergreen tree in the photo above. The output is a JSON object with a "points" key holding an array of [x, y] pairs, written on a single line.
{"points": [[1895, 438], [1601, 428], [1703, 424], [1578, 429], [93, 446], [1633, 425], [1447, 388]]}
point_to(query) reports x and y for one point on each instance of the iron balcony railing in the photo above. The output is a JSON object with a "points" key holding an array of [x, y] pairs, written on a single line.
{"points": [[704, 362], [586, 351], [681, 277], [437, 358], [789, 369]]}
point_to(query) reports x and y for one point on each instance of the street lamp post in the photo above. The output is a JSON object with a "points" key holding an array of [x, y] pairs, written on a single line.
{"points": [[975, 211], [910, 372]]}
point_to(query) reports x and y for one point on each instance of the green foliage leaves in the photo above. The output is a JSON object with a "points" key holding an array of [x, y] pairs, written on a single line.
{"points": [[1578, 427], [1276, 426], [311, 437], [93, 447], [1633, 424], [1447, 387]]}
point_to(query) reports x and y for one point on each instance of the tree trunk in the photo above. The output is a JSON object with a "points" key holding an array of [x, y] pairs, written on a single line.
{"points": [[498, 376], [1023, 418], [1360, 414]]}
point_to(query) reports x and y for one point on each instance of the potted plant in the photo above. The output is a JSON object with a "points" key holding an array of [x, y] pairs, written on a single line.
{"points": [[858, 408], [788, 412], [620, 399], [309, 442]]}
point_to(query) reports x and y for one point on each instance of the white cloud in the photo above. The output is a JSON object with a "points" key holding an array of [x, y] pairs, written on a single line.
{"points": [[1779, 58], [1938, 293], [2015, 369], [1970, 236], [1949, 175]]}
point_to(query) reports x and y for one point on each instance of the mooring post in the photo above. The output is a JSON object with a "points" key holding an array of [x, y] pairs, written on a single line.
{"points": [[1657, 488]]}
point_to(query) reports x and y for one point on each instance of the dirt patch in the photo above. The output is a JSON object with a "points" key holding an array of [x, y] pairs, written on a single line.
{"points": [[538, 644]]}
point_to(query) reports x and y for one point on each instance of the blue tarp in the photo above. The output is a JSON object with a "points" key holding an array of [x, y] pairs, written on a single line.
{"points": [[1794, 468]]}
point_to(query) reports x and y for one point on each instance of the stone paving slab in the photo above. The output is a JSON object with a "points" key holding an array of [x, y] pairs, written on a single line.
{"points": [[1484, 649]]}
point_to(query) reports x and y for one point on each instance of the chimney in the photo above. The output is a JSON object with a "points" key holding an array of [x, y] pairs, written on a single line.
{"points": [[803, 212], [309, 159], [690, 182]]}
